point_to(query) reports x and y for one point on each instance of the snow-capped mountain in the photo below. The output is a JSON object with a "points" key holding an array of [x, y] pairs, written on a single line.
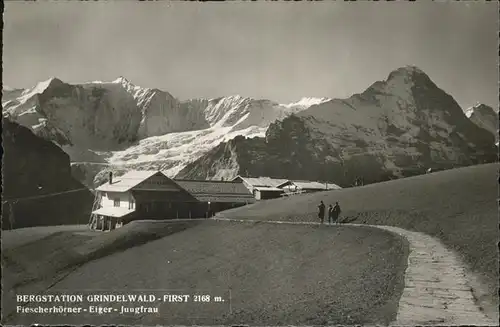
{"points": [[89, 116], [397, 127], [127, 126], [485, 117], [9, 94], [305, 103]]}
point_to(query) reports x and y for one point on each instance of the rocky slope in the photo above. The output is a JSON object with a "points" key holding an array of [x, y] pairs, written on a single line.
{"points": [[127, 127], [101, 116], [397, 127], [34, 167], [485, 117]]}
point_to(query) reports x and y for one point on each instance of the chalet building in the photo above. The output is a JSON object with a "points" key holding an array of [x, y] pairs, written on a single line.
{"points": [[269, 188], [294, 187], [262, 187], [152, 195]]}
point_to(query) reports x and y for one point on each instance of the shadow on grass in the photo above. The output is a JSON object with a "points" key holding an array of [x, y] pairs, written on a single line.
{"points": [[60, 252]]}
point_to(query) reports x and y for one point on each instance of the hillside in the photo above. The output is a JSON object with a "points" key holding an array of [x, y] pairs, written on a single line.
{"points": [[35, 167], [457, 206], [398, 127], [272, 275]]}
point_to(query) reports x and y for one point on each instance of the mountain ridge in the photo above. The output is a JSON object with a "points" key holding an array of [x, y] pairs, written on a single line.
{"points": [[130, 126], [146, 128], [395, 128], [485, 117]]}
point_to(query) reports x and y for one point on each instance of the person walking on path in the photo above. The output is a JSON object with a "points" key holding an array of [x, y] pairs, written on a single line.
{"points": [[321, 213], [336, 212], [330, 214]]}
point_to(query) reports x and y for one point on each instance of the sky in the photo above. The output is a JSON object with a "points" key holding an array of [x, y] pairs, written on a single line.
{"points": [[281, 51]]}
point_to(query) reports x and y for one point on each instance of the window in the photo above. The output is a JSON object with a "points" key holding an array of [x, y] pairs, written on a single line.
{"points": [[116, 202], [131, 204]]}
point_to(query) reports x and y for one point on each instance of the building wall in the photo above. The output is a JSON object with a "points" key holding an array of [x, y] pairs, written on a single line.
{"points": [[108, 200], [158, 197], [290, 188], [126, 199], [248, 186], [264, 195], [312, 190], [269, 195]]}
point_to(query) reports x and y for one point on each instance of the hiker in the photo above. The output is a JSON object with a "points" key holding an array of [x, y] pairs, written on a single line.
{"points": [[336, 212], [330, 214], [321, 213]]}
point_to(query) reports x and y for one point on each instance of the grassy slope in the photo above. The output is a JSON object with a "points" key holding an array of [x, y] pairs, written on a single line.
{"points": [[37, 257], [279, 274], [18, 237], [64, 247], [458, 206]]}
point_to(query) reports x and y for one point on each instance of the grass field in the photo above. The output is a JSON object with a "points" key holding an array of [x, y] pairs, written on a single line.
{"points": [[41, 253], [276, 274], [457, 206]]}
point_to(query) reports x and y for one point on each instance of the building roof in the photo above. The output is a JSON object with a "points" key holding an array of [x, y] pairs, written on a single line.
{"points": [[311, 185], [205, 191], [332, 186], [217, 191], [127, 181], [270, 189], [262, 181], [113, 211]]}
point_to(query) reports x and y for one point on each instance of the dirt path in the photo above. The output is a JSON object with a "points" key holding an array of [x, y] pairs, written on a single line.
{"points": [[437, 286]]}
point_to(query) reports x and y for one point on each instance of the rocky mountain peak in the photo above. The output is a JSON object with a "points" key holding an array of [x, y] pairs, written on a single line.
{"points": [[397, 127], [409, 71], [481, 109], [405, 82], [485, 117], [121, 80], [411, 76], [52, 82]]}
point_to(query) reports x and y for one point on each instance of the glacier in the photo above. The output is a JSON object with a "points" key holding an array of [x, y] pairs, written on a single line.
{"points": [[123, 126]]}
